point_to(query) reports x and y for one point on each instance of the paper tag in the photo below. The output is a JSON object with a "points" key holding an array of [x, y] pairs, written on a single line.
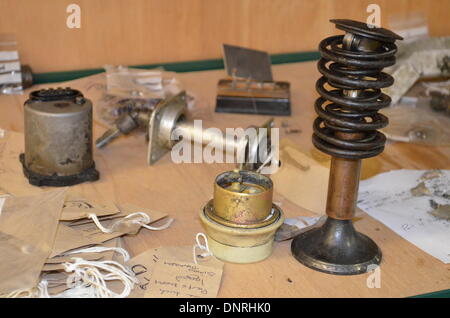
{"points": [[76, 208], [175, 279], [144, 264]]}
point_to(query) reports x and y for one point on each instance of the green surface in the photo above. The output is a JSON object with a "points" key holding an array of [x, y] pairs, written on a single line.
{"points": [[437, 294], [191, 66]]}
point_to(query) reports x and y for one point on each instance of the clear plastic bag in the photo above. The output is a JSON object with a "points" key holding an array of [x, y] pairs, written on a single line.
{"points": [[10, 69], [130, 89], [419, 117]]}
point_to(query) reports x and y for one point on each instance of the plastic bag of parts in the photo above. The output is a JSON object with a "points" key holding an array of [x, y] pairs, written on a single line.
{"points": [[419, 56], [422, 116], [10, 70], [130, 89], [411, 27]]}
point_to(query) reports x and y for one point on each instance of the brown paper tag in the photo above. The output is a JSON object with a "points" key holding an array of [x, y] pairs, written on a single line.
{"points": [[143, 264], [68, 258], [68, 239], [28, 228], [77, 207], [125, 210], [175, 279], [56, 263]]}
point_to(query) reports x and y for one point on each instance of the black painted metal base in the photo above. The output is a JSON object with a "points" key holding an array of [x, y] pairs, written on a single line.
{"points": [[336, 248], [89, 174], [258, 106]]}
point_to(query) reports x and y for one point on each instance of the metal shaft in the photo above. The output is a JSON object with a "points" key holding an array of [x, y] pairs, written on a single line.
{"points": [[124, 125], [343, 188], [214, 138]]}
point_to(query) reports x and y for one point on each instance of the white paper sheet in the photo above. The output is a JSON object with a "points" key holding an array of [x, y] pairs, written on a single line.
{"points": [[387, 197]]}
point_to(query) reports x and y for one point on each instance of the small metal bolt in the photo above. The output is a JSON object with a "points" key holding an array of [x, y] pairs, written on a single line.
{"points": [[79, 100]]}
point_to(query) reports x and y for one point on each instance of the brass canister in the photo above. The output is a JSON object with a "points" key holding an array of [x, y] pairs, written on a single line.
{"points": [[241, 220], [243, 197]]}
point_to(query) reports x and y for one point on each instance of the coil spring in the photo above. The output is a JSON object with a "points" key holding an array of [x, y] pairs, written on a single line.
{"points": [[347, 125]]}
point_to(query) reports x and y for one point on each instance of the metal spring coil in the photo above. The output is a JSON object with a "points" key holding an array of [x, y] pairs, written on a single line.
{"points": [[341, 116]]}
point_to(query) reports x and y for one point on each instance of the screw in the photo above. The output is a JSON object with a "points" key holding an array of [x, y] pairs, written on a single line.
{"points": [[80, 100]]}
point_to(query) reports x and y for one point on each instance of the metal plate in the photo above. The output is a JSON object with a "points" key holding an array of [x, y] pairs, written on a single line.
{"points": [[247, 63], [157, 147]]}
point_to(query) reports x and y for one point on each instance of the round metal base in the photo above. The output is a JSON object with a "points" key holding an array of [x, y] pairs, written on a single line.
{"points": [[336, 248]]}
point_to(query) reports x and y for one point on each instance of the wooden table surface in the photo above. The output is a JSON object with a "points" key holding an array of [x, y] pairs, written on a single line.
{"points": [[183, 189]]}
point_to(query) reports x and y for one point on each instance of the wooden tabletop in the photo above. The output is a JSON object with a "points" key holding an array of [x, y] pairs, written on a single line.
{"points": [[183, 189]]}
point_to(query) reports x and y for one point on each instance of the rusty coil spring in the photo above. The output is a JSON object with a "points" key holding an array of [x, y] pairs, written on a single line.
{"points": [[347, 125]]}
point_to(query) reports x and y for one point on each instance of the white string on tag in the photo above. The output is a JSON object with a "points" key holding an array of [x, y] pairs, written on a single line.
{"points": [[100, 249], [202, 247], [94, 218], [89, 279], [268, 159], [143, 221], [146, 220]]}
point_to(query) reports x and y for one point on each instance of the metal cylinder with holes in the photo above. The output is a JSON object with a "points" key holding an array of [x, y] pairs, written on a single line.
{"points": [[58, 138]]}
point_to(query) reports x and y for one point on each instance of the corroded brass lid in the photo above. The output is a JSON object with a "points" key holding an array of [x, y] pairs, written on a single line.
{"points": [[242, 197], [271, 218]]}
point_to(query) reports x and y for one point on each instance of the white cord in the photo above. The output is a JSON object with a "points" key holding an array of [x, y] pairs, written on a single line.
{"points": [[94, 218], [89, 279], [143, 221], [268, 159], [146, 220], [99, 249], [200, 246]]}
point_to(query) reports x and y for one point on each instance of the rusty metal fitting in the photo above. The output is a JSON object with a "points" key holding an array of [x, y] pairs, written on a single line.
{"points": [[58, 138]]}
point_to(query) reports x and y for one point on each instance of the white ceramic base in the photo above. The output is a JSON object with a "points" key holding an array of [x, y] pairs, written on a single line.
{"points": [[240, 245], [242, 255]]}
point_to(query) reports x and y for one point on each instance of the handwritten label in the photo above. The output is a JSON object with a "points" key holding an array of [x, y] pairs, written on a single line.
{"points": [[175, 279]]}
